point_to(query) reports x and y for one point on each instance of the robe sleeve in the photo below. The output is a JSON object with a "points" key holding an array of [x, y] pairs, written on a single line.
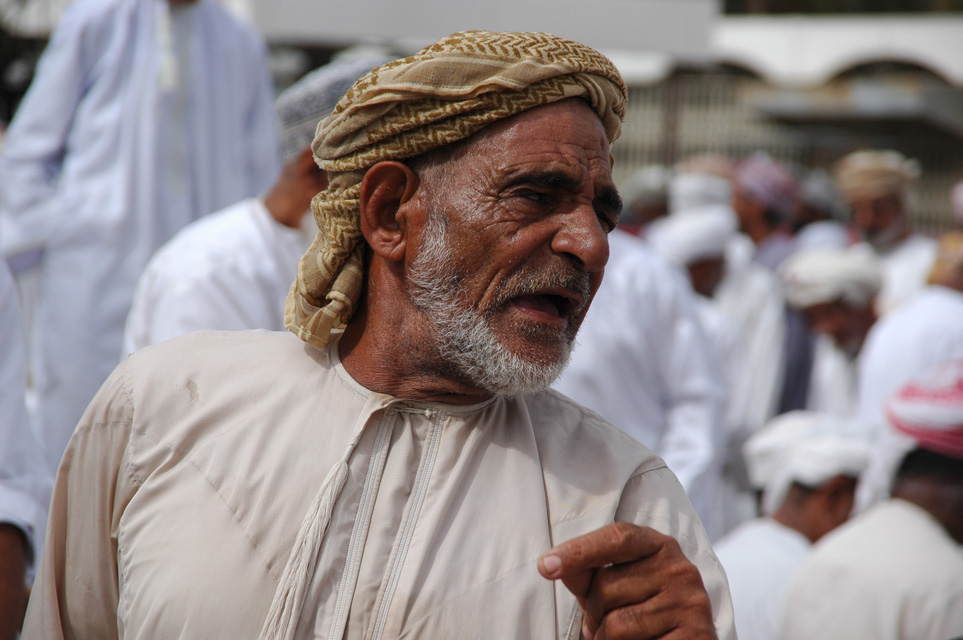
{"points": [[76, 591], [24, 477], [694, 439], [263, 126], [36, 141]]}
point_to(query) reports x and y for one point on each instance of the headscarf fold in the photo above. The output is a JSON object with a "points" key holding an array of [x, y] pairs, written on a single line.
{"points": [[443, 94]]}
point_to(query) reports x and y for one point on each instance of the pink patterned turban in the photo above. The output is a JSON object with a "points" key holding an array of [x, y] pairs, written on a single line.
{"points": [[930, 409]]}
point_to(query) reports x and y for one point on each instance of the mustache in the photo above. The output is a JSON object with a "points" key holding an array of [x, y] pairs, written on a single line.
{"points": [[556, 276]]}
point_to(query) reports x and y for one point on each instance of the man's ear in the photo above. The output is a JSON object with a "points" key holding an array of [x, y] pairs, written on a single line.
{"points": [[386, 193]]}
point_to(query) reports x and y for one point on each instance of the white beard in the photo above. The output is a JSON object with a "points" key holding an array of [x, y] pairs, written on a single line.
{"points": [[466, 340]]}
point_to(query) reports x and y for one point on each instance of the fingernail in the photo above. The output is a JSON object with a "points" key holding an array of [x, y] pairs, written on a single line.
{"points": [[551, 563], [586, 632]]}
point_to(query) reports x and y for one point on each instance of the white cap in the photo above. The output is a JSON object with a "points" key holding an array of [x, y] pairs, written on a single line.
{"points": [[805, 447], [815, 276], [696, 234]]}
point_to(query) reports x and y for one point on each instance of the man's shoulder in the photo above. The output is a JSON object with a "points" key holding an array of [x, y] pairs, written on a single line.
{"points": [[567, 430], [224, 355], [210, 244]]}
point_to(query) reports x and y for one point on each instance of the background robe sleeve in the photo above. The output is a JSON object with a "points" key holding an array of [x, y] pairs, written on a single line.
{"points": [[36, 142]]}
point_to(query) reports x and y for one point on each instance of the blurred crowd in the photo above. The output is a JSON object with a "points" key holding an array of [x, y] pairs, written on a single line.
{"points": [[783, 337]]}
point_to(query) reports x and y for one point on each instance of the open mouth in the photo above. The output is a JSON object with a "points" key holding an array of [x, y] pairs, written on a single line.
{"points": [[556, 305]]}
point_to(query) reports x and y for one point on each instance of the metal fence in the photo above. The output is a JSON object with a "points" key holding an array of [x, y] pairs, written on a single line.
{"points": [[715, 110]]}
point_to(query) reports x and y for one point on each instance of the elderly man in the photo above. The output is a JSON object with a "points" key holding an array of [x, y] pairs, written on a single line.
{"points": [[123, 138], [876, 186], [806, 465], [193, 281], [441, 491], [895, 572], [835, 289]]}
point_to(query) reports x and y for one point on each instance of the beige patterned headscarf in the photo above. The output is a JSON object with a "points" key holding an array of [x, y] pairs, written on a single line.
{"points": [[445, 93], [875, 174]]}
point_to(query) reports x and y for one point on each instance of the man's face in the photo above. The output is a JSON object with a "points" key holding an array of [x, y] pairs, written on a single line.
{"points": [[515, 246], [706, 274], [838, 321], [881, 221]]}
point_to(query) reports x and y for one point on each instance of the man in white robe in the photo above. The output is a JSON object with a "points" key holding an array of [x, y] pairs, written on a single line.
{"points": [[442, 489], [806, 465], [696, 240], [895, 572], [644, 363], [123, 138], [25, 479], [876, 186], [748, 295], [904, 343], [835, 290], [253, 246]]}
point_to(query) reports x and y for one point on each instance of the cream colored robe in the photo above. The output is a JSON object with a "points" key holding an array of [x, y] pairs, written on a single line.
{"points": [[182, 490]]}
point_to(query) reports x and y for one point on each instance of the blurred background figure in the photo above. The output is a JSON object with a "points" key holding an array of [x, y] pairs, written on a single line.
{"points": [[232, 270], [923, 332], [876, 187], [643, 361], [765, 195], [835, 290], [895, 572], [142, 116], [645, 198], [747, 294], [956, 202], [805, 464], [25, 479], [818, 221], [696, 241]]}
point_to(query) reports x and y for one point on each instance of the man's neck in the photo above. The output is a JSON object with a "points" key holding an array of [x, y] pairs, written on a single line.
{"points": [[394, 360]]}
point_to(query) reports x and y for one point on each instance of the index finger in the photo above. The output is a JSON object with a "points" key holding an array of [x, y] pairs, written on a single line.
{"points": [[575, 561]]}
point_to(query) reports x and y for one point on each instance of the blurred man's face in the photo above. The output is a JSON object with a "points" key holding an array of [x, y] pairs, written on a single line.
{"points": [[706, 274], [838, 321], [881, 221]]}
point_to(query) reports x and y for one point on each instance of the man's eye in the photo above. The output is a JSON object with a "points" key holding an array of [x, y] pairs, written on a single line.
{"points": [[534, 196], [609, 222]]}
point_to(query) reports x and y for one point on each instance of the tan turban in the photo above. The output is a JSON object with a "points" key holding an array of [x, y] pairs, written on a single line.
{"points": [[445, 93], [875, 174], [949, 259]]}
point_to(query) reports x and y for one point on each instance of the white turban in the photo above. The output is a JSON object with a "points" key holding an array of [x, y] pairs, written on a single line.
{"points": [[646, 184], [805, 447], [697, 234], [694, 190], [311, 99], [816, 276]]}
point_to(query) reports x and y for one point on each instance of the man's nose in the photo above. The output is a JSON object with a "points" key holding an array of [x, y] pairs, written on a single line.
{"points": [[584, 238]]}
